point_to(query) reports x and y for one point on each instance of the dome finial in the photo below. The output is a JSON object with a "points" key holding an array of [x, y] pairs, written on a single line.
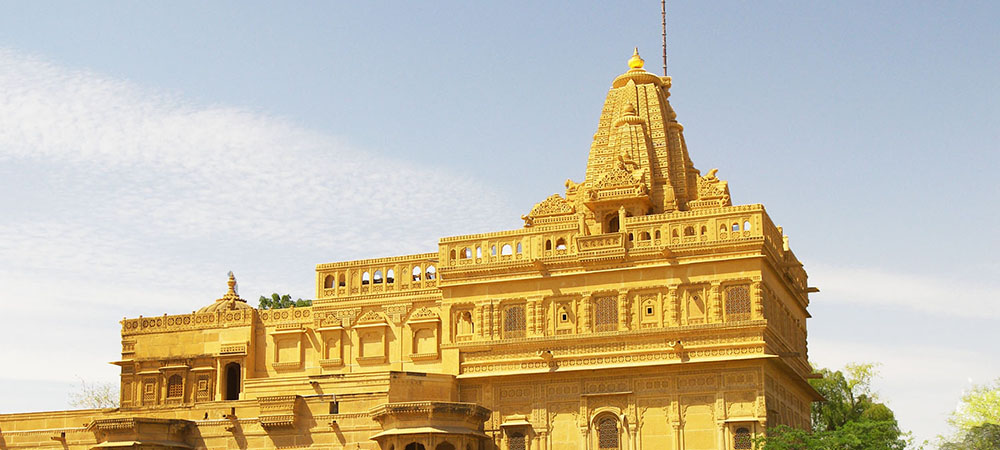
{"points": [[636, 62], [232, 286]]}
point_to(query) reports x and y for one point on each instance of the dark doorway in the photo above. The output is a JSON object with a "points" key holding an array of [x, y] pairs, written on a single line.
{"points": [[415, 446], [613, 224], [233, 381]]}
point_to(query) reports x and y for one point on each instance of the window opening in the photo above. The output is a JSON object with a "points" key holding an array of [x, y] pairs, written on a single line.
{"points": [[736, 226], [365, 278], [493, 250], [518, 248], [613, 224], [334, 407], [505, 250], [479, 252], [607, 433], [746, 226], [513, 322], [390, 276], [431, 272], [741, 439], [342, 281], [233, 377], [516, 441], [738, 303], [416, 273], [548, 244], [689, 231], [378, 277], [561, 244], [175, 387], [414, 446], [328, 282], [606, 314]]}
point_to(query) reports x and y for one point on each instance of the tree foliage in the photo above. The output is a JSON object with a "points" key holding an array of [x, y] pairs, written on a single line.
{"points": [[850, 418], [276, 301], [94, 395], [977, 419]]}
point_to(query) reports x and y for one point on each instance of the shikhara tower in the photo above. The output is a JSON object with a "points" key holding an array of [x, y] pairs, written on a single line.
{"points": [[639, 310]]}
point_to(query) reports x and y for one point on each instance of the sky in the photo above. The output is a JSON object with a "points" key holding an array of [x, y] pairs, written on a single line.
{"points": [[146, 149]]}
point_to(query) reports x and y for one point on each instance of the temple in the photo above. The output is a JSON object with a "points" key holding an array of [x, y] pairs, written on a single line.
{"points": [[640, 309]]}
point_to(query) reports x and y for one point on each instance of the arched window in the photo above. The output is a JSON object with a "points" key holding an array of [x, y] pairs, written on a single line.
{"points": [[516, 441], [746, 226], [505, 250], [606, 314], [722, 228], [493, 250], [414, 446], [689, 231], [479, 252], [416, 273], [342, 281], [613, 226], [431, 273], [561, 244], [673, 233], [378, 277], [513, 322], [466, 253], [548, 244], [738, 303], [366, 278], [233, 377], [741, 439], [390, 276], [453, 254], [424, 341], [328, 282], [631, 237], [445, 446], [736, 226], [465, 325], [518, 248], [704, 230], [563, 315], [175, 387], [644, 236], [607, 433], [657, 234]]}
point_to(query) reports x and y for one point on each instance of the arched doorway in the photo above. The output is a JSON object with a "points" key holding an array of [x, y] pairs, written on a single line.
{"points": [[414, 446], [233, 378]]}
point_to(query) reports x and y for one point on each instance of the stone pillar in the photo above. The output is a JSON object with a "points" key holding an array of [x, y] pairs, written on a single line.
{"points": [[757, 299], [477, 320], [673, 307], [624, 312], [495, 321], [585, 313], [715, 302]]}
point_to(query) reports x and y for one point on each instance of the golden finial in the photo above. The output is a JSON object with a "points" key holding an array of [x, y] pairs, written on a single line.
{"points": [[232, 287], [636, 62]]}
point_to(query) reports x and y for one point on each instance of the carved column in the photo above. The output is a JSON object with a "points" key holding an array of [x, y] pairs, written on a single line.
{"points": [[757, 297], [585, 313], [495, 320], [477, 319], [624, 312], [673, 307], [715, 302]]}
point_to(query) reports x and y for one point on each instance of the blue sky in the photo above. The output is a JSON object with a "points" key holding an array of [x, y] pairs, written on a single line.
{"points": [[148, 148]]}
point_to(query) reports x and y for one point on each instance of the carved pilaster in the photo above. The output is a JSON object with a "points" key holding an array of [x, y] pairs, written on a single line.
{"points": [[715, 302], [757, 296], [673, 307], [495, 320], [477, 318], [624, 312], [585, 313]]}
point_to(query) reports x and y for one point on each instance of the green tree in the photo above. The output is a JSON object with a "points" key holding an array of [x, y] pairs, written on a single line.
{"points": [[850, 417], [276, 301], [976, 421]]}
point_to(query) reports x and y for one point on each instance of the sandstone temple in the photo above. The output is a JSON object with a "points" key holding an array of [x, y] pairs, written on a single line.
{"points": [[639, 310]]}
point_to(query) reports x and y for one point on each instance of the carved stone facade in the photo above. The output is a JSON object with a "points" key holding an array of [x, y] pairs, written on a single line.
{"points": [[639, 310]]}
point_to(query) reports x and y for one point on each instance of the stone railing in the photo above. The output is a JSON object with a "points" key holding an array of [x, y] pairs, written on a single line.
{"points": [[377, 276]]}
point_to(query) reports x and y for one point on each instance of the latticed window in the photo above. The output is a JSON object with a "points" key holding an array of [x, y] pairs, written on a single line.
{"points": [[741, 439], [606, 314], [513, 322], [516, 442], [738, 303], [175, 387], [148, 392], [607, 433]]}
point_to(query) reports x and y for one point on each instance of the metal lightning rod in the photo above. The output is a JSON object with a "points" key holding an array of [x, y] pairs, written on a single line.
{"points": [[663, 15]]}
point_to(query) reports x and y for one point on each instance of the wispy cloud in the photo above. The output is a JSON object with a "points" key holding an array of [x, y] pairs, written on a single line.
{"points": [[120, 199], [942, 294]]}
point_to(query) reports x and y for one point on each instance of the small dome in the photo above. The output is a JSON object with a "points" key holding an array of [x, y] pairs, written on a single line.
{"points": [[230, 301]]}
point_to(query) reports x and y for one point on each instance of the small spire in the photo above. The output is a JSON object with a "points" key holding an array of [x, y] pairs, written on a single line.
{"points": [[232, 284], [636, 62]]}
